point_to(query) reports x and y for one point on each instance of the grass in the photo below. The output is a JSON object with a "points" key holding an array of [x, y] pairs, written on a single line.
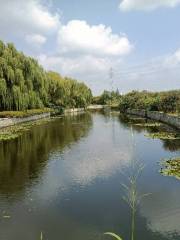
{"points": [[13, 132], [41, 236], [132, 196], [113, 235], [171, 167], [26, 113], [156, 130]]}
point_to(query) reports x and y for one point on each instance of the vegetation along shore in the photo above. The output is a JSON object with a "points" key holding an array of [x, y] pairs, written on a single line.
{"points": [[26, 90], [24, 84]]}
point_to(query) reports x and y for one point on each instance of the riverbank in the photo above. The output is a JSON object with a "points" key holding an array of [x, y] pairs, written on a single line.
{"points": [[12, 127], [11, 118], [14, 123], [16, 130], [25, 113], [7, 122], [95, 107], [73, 110], [173, 120], [98, 107]]}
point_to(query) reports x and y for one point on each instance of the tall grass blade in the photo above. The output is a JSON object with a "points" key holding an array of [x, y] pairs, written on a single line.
{"points": [[113, 235]]}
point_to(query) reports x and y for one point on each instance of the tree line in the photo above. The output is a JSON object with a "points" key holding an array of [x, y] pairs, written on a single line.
{"points": [[168, 101], [24, 84], [107, 98]]}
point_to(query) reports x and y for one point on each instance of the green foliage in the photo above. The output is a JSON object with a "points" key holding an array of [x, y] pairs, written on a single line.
{"points": [[67, 92], [15, 131], [25, 85], [164, 136], [160, 101], [26, 113], [171, 167], [108, 98]]}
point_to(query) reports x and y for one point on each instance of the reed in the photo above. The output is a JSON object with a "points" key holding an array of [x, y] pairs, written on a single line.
{"points": [[131, 193]]}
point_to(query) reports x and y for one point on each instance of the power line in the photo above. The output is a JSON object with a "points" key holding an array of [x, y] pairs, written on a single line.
{"points": [[147, 71]]}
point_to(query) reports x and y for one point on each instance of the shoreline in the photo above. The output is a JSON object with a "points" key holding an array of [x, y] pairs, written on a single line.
{"points": [[8, 122], [171, 120], [12, 121]]}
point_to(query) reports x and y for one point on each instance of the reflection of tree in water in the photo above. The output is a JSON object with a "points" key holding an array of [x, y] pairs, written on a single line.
{"points": [[132, 121], [171, 145], [140, 225], [23, 159]]}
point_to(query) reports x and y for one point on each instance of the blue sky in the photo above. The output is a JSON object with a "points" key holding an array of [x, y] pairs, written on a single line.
{"points": [[138, 39], [154, 32]]}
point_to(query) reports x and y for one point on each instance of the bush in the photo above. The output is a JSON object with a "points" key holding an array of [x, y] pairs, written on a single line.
{"points": [[161, 101], [21, 114]]}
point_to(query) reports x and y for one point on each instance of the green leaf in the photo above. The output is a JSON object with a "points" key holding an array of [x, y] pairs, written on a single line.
{"points": [[113, 235], [41, 236]]}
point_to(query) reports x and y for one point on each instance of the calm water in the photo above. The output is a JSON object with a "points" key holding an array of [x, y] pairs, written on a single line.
{"points": [[64, 179]]}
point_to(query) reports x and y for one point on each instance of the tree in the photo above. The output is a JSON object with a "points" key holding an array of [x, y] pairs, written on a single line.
{"points": [[24, 84]]}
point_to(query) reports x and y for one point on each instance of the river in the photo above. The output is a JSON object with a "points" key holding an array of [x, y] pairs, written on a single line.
{"points": [[63, 181]]}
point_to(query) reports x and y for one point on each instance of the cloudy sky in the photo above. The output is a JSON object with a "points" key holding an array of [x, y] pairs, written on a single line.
{"points": [[139, 40]]}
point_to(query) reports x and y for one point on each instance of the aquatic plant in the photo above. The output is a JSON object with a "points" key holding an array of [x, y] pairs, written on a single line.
{"points": [[15, 131], [164, 135], [41, 236], [113, 235], [153, 124], [132, 196], [171, 167]]}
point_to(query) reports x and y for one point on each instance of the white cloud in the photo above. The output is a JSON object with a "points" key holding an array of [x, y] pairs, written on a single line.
{"points": [[36, 39], [75, 65], [89, 165], [127, 5], [87, 52], [79, 37], [93, 70], [162, 218], [160, 73], [177, 55], [19, 18], [76, 49], [173, 60]]}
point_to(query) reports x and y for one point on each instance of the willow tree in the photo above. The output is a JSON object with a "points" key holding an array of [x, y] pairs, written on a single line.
{"points": [[24, 84], [3, 91], [68, 92]]}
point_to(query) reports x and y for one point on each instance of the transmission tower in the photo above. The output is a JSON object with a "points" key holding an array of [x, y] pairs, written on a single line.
{"points": [[111, 77]]}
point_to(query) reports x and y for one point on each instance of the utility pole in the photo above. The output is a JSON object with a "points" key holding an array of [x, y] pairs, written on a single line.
{"points": [[111, 77]]}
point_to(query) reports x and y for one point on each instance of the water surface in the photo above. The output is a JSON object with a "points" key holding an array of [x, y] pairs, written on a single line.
{"points": [[64, 179]]}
